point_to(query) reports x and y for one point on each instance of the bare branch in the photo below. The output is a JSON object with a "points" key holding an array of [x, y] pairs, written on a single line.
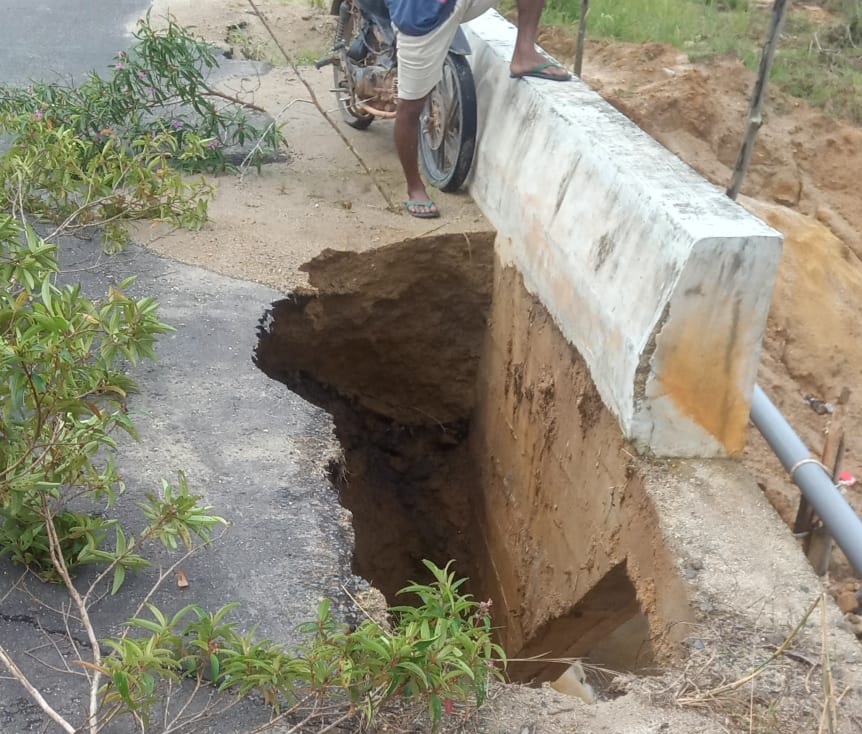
{"points": [[60, 566], [210, 92], [382, 189], [34, 693], [259, 144]]}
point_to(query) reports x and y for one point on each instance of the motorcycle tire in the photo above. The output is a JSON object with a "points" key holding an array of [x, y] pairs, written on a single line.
{"points": [[344, 37], [447, 127]]}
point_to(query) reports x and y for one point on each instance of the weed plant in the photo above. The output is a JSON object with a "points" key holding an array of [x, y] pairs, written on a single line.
{"points": [[436, 653]]}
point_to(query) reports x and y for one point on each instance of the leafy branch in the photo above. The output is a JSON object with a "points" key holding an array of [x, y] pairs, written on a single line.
{"points": [[119, 148]]}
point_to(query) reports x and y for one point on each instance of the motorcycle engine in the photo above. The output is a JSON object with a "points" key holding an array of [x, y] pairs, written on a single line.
{"points": [[376, 89]]}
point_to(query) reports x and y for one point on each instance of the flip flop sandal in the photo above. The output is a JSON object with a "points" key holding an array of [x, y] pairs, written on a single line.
{"points": [[422, 209], [540, 72]]}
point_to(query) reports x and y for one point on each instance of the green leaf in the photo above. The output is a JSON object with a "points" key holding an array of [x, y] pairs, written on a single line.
{"points": [[418, 673], [146, 624], [122, 684], [462, 666], [46, 294], [119, 577], [436, 708]]}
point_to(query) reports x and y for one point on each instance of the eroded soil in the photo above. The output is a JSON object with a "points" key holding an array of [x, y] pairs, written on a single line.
{"points": [[394, 359]]}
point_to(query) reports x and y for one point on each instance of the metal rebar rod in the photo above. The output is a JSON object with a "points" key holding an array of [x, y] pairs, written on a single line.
{"points": [[809, 475]]}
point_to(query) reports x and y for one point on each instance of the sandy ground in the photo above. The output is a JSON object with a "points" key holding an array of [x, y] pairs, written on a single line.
{"points": [[803, 182]]}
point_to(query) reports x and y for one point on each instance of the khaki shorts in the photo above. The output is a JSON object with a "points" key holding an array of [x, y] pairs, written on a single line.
{"points": [[420, 58]]}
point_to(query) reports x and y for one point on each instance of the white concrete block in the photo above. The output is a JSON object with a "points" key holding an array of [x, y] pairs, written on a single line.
{"points": [[660, 281]]}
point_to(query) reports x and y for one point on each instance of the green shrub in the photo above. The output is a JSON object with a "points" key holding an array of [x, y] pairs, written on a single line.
{"points": [[62, 396], [438, 652], [116, 149]]}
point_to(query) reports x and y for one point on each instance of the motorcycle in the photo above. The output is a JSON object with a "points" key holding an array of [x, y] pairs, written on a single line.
{"points": [[365, 76]]}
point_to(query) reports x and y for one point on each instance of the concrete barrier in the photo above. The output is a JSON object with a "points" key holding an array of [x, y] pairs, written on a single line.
{"points": [[659, 280]]}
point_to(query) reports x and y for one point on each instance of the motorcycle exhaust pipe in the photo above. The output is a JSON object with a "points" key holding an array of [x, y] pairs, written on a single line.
{"points": [[377, 113]]}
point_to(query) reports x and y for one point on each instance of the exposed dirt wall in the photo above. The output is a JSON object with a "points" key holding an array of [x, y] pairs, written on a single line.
{"points": [[396, 330], [563, 510], [472, 431], [388, 342]]}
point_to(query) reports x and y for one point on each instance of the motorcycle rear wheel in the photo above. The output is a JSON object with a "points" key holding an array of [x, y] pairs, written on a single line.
{"points": [[447, 127], [344, 96]]}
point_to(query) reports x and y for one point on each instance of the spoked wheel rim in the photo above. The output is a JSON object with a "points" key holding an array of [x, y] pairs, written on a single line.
{"points": [[447, 132], [441, 123], [345, 97]]}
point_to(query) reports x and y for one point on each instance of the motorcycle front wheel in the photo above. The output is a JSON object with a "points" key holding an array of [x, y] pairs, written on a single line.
{"points": [[447, 127], [348, 28]]}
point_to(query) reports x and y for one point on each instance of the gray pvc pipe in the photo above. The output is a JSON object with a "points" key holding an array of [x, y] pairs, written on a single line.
{"points": [[837, 515]]}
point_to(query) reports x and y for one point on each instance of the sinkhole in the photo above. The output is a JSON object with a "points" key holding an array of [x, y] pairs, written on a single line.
{"points": [[471, 430]]}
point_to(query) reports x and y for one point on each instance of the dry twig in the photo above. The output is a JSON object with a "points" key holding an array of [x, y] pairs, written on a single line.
{"points": [[829, 715], [717, 691], [60, 566], [259, 13]]}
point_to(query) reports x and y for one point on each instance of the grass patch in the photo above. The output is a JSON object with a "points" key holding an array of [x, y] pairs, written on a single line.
{"points": [[306, 57], [819, 58]]}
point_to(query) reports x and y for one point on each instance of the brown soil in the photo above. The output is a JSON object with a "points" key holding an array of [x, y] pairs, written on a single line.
{"points": [[398, 344], [571, 538], [386, 343], [382, 356]]}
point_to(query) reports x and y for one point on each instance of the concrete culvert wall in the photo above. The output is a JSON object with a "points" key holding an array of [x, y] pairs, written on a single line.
{"points": [[472, 431]]}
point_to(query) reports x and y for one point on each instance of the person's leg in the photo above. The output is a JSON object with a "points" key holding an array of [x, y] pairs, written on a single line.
{"points": [[420, 66], [407, 145], [525, 56]]}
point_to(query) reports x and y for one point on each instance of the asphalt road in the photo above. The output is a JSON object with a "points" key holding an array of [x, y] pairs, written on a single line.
{"points": [[65, 38], [252, 449]]}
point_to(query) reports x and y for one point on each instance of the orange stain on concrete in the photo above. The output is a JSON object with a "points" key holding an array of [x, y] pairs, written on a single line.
{"points": [[702, 359]]}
